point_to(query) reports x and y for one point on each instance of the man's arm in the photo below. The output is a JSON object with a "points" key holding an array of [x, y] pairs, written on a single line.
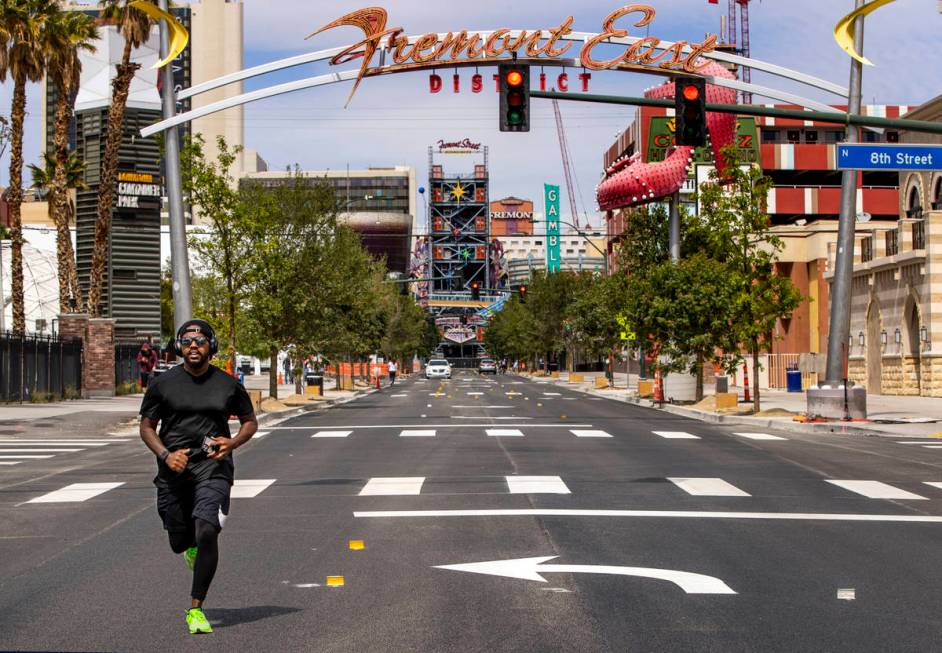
{"points": [[176, 460], [248, 427]]}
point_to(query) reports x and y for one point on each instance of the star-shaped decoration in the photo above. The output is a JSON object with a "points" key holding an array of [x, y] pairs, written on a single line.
{"points": [[466, 254], [458, 192]]}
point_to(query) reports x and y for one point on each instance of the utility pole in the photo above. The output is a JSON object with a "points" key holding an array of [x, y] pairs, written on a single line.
{"points": [[673, 226], [831, 400], [179, 262]]}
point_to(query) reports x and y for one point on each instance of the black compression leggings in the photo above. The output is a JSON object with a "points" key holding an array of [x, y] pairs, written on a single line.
{"points": [[205, 537]]}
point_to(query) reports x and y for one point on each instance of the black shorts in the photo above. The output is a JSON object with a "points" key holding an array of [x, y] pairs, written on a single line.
{"points": [[179, 505]]}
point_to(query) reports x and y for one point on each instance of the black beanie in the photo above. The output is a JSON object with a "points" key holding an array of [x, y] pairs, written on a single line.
{"points": [[200, 326]]}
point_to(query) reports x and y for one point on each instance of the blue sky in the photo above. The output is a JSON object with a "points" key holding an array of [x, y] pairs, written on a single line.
{"points": [[392, 120]]}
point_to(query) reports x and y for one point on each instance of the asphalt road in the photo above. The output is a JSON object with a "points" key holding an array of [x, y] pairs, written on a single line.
{"points": [[654, 533]]}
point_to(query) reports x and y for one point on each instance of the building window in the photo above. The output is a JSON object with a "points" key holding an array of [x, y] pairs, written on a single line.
{"points": [[870, 137], [833, 136], [811, 137], [770, 136], [793, 136], [866, 249], [539, 243], [937, 195], [914, 210], [892, 242], [919, 234]]}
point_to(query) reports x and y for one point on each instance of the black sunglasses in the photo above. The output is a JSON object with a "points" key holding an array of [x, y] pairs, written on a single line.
{"points": [[186, 341]]}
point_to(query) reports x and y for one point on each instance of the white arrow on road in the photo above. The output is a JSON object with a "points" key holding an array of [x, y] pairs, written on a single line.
{"points": [[531, 568]]}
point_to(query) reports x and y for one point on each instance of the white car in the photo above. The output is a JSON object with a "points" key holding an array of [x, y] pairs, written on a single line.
{"points": [[438, 368]]}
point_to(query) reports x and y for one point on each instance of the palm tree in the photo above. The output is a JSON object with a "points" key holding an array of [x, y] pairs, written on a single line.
{"points": [[66, 35], [135, 27], [21, 57], [44, 179]]}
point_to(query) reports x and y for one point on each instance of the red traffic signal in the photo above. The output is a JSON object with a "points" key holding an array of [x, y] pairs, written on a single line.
{"points": [[514, 81], [690, 111], [691, 93]]}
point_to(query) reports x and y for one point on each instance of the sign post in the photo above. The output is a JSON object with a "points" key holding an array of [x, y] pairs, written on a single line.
{"points": [[551, 202]]}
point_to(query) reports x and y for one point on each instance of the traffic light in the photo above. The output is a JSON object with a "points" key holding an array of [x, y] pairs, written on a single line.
{"points": [[475, 290], [514, 97], [690, 109]]}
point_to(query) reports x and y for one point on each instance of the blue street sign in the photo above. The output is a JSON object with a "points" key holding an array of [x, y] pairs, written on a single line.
{"points": [[889, 157]]}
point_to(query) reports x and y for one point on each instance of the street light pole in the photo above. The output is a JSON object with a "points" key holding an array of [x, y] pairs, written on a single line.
{"points": [[844, 259], [179, 262]]}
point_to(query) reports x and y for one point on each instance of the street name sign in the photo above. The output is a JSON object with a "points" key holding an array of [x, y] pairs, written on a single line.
{"points": [[889, 157]]}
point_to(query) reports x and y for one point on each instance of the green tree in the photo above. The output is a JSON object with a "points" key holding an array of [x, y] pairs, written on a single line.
{"points": [[734, 208], [407, 329], [595, 314], [513, 333], [22, 57], [550, 297], [66, 35], [226, 244], [73, 173]]}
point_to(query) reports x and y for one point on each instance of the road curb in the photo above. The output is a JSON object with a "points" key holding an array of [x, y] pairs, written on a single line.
{"points": [[760, 422], [271, 419]]}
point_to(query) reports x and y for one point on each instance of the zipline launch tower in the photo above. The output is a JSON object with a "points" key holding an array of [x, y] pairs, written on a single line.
{"points": [[459, 222]]}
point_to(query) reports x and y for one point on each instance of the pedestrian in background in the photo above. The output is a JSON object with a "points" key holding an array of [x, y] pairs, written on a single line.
{"points": [[392, 372], [147, 361]]}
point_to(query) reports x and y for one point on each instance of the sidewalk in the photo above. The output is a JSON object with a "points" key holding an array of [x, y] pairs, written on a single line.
{"points": [[130, 404], [889, 415]]}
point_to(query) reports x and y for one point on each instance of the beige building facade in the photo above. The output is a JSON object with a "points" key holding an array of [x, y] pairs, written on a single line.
{"points": [[896, 312]]}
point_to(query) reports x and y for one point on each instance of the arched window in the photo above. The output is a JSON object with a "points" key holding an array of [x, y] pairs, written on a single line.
{"points": [[914, 203], [937, 195]]}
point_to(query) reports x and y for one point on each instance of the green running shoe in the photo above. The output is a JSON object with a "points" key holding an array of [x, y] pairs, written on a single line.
{"points": [[189, 557], [197, 621]]}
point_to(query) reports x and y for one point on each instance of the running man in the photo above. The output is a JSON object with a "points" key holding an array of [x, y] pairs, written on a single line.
{"points": [[192, 403]]}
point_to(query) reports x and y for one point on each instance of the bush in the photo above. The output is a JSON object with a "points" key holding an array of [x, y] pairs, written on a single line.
{"points": [[129, 388]]}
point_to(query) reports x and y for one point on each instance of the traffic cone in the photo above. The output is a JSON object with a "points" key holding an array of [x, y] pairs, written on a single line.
{"points": [[658, 387], [745, 382]]}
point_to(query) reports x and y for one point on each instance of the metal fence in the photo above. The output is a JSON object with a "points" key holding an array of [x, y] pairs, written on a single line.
{"points": [[31, 366]]}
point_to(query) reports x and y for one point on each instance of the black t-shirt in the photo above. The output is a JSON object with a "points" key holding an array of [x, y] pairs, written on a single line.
{"points": [[191, 408]]}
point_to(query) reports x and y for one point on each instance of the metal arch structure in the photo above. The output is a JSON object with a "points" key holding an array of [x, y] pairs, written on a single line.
{"points": [[382, 69]]}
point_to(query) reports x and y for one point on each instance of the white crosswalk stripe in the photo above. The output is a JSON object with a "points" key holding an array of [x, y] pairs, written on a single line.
{"points": [[7, 463], [536, 485], [708, 487], [759, 436], [261, 434], [65, 443], [75, 493], [676, 435], [877, 490], [26, 457], [331, 434], [583, 433], [250, 488], [418, 433], [393, 486], [513, 433]]}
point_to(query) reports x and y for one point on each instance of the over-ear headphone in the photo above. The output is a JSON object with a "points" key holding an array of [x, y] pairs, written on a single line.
{"points": [[204, 328]]}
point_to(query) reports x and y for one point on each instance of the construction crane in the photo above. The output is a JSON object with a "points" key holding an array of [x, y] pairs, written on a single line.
{"points": [[567, 166], [735, 26]]}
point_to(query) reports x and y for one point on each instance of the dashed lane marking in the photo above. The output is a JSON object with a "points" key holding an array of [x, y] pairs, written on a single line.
{"points": [[249, 488], [877, 490], [419, 433], [26, 457], [708, 487], [536, 485], [75, 493], [580, 433], [517, 433], [42, 450], [331, 434], [393, 486], [759, 436], [676, 435]]}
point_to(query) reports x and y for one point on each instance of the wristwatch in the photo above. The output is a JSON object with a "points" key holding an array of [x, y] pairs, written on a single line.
{"points": [[162, 456]]}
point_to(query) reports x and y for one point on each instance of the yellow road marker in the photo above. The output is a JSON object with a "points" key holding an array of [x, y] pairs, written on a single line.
{"points": [[357, 545], [335, 581], [562, 417]]}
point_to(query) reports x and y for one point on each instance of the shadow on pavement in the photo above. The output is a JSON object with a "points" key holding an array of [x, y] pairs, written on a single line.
{"points": [[223, 617]]}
